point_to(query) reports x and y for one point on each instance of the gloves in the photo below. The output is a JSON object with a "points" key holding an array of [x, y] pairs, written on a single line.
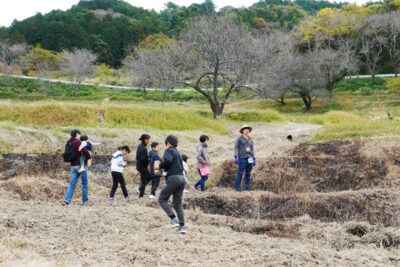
{"points": [[236, 160]]}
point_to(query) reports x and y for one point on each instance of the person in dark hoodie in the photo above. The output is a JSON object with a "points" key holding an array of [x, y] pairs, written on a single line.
{"points": [[155, 178], [142, 163], [75, 166], [172, 164]]}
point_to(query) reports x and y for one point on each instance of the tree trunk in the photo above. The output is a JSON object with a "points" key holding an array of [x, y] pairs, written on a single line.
{"points": [[373, 76], [307, 101], [217, 110]]}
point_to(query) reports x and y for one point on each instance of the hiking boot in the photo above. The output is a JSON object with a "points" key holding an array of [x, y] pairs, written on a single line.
{"points": [[153, 197], [64, 203], [181, 230], [195, 188], [82, 169], [172, 223], [111, 199], [128, 197], [89, 162]]}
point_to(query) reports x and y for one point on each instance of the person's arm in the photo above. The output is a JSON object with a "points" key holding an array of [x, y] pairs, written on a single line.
{"points": [[167, 159], [252, 149], [186, 167], [82, 145], [199, 155], [95, 144], [143, 156]]}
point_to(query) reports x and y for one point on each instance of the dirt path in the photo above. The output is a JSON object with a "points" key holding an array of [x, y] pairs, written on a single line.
{"points": [[130, 233]]}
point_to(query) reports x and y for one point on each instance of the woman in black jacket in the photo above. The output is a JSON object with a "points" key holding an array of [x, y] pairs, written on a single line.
{"points": [[142, 163]]}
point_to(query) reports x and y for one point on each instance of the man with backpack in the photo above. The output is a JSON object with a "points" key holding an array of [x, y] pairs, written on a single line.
{"points": [[72, 155]]}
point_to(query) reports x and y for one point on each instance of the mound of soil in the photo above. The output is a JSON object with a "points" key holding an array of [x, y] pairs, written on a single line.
{"points": [[51, 165], [323, 167], [378, 207]]}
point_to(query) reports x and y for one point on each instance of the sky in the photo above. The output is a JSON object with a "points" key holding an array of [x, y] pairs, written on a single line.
{"points": [[21, 9]]}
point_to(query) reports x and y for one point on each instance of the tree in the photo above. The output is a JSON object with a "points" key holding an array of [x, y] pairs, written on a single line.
{"points": [[390, 26], [303, 77], [10, 55], [372, 43], [79, 63], [213, 53]]}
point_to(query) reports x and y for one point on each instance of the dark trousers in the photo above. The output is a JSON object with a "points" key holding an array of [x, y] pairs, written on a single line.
{"points": [[201, 182], [244, 166], [155, 182], [118, 178], [174, 185], [145, 178]]}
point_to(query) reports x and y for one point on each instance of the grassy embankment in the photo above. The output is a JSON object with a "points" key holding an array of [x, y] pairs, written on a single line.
{"points": [[357, 110]]}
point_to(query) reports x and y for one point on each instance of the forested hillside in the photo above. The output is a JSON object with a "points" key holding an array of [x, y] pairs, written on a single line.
{"points": [[109, 27]]}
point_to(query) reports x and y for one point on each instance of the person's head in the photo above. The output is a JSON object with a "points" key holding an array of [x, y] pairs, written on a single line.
{"points": [[75, 134], [171, 141], [246, 129], [124, 149], [204, 139], [84, 137], [184, 157], [155, 146], [145, 138]]}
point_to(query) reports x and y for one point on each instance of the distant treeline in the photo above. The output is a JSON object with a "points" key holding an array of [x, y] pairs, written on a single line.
{"points": [[110, 28]]}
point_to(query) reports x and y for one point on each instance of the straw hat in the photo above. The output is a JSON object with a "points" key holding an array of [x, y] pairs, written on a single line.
{"points": [[244, 127]]}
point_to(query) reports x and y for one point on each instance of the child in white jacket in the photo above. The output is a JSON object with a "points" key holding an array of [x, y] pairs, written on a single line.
{"points": [[117, 168]]}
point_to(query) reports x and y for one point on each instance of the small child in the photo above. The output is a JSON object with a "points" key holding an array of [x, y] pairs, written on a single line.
{"points": [[155, 174], [117, 168], [88, 145]]}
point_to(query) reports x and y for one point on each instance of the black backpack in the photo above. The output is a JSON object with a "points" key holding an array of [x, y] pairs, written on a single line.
{"points": [[69, 154]]}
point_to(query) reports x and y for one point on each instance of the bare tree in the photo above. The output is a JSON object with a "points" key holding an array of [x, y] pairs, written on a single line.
{"points": [[213, 53], [79, 63], [372, 42], [390, 25], [303, 77], [10, 55]]}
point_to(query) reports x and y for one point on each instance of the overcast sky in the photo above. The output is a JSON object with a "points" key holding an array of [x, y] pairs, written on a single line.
{"points": [[21, 9]]}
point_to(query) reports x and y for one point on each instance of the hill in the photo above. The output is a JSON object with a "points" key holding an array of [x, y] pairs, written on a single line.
{"points": [[110, 27]]}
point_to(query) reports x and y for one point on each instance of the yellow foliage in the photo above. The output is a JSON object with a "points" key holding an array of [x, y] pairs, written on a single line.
{"points": [[330, 22], [258, 22]]}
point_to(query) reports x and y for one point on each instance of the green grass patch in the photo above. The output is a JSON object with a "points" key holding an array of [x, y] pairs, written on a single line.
{"points": [[137, 115]]}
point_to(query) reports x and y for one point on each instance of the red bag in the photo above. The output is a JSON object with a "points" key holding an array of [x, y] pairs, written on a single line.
{"points": [[205, 170]]}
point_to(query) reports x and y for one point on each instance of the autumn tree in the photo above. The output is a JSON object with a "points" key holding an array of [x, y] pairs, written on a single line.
{"points": [[79, 64]]}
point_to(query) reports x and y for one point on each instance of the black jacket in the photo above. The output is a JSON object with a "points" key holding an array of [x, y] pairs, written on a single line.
{"points": [[142, 158], [172, 162]]}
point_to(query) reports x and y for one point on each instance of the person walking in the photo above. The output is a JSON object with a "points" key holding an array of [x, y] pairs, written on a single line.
{"points": [[203, 164], [117, 168], [175, 182], [142, 163], [72, 155], [244, 157]]}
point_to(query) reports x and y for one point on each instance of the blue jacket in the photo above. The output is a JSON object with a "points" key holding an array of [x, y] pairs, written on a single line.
{"points": [[153, 155]]}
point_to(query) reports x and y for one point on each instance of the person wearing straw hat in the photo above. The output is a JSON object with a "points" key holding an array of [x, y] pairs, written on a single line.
{"points": [[244, 157]]}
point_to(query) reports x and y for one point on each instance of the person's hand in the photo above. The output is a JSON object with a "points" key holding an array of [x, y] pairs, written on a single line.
{"points": [[254, 163], [236, 160]]}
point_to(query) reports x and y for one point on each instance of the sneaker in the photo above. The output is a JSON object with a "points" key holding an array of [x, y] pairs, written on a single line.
{"points": [[185, 191], [181, 230], [128, 197], [89, 162], [111, 199], [138, 191], [194, 188], [153, 197], [172, 223], [64, 203], [85, 203], [82, 169]]}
